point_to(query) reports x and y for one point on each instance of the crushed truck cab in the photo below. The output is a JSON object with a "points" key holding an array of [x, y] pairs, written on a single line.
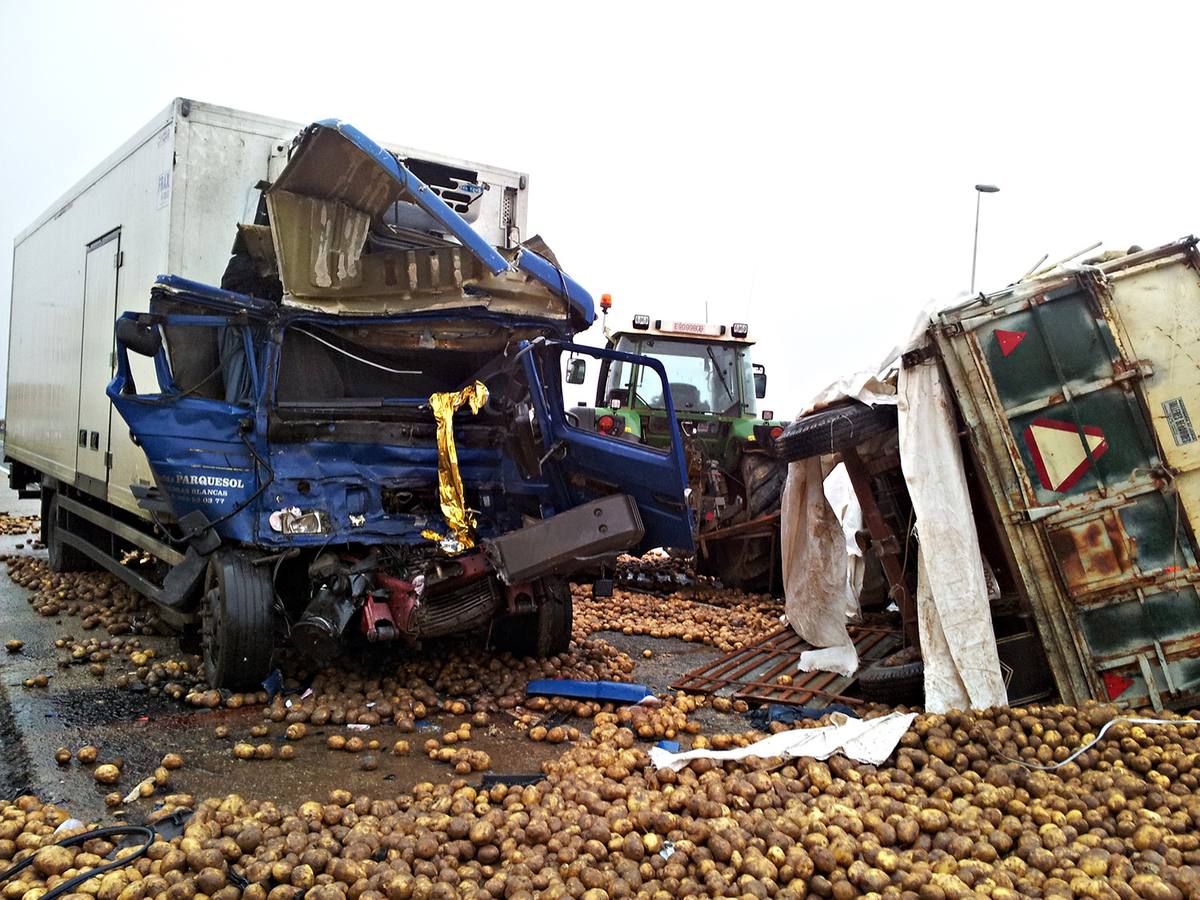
{"points": [[384, 449]]}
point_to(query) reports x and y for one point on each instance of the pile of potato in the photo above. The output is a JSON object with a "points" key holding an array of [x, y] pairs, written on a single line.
{"points": [[454, 678], [98, 599], [656, 566], [738, 621], [10, 524], [947, 817]]}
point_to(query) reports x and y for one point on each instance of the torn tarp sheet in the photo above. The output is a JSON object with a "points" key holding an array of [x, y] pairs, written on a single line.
{"points": [[817, 592], [862, 740], [954, 618], [958, 644]]}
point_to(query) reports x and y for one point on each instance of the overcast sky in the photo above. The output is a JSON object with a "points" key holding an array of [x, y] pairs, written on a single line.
{"points": [[806, 167]]}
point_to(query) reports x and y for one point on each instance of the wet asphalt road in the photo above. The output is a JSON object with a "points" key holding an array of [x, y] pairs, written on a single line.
{"points": [[78, 709]]}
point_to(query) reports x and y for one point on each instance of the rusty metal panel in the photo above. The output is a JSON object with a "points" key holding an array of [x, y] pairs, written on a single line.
{"points": [[1078, 391], [753, 671]]}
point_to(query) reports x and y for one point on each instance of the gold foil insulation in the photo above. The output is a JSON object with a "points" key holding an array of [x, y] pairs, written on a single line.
{"points": [[450, 487]]}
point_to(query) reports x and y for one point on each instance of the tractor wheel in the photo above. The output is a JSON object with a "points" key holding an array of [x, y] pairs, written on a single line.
{"points": [[236, 624], [746, 564], [61, 555], [763, 477], [740, 564], [838, 427]]}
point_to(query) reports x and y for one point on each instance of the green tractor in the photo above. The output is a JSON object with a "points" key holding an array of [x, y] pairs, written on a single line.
{"points": [[735, 477]]}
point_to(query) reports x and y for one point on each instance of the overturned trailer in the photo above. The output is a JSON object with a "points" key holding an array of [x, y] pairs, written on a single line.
{"points": [[1075, 394], [309, 479]]}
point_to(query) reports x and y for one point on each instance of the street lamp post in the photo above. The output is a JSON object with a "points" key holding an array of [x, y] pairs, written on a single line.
{"points": [[980, 190]]}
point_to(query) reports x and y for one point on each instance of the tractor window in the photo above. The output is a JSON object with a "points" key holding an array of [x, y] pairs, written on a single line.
{"points": [[703, 377]]}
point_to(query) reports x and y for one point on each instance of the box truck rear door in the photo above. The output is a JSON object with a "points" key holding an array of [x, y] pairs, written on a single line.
{"points": [[96, 366]]}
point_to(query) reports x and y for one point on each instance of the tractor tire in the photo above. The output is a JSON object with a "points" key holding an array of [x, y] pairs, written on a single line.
{"points": [[745, 565], [61, 555], [763, 477], [834, 429], [893, 685], [545, 632], [237, 628]]}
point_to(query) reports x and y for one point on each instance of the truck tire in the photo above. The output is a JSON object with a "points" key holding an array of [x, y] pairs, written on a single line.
{"points": [[902, 684], [833, 429], [61, 556], [547, 631], [236, 623]]}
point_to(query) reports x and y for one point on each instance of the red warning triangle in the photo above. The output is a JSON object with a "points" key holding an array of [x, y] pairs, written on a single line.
{"points": [[1116, 684], [1008, 340]]}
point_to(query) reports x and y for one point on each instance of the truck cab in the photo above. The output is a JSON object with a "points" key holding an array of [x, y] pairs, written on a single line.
{"points": [[384, 450]]}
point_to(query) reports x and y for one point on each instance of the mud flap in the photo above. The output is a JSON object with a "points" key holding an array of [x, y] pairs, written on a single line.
{"points": [[565, 543], [182, 585]]}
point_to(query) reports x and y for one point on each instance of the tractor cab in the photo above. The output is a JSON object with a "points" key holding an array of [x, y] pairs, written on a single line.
{"points": [[713, 387]]}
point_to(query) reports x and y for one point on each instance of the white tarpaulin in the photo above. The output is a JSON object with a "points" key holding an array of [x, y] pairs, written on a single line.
{"points": [[962, 668], [862, 740], [817, 597], [839, 494], [958, 645]]}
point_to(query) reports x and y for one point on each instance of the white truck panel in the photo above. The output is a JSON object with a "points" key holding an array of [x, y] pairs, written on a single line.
{"points": [[175, 191], [47, 314]]}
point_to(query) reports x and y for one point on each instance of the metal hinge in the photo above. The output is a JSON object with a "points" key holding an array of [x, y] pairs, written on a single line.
{"points": [[108, 459], [916, 357], [119, 259], [1033, 514]]}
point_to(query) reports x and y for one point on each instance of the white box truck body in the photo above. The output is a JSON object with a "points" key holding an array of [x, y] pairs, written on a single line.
{"points": [[168, 200]]}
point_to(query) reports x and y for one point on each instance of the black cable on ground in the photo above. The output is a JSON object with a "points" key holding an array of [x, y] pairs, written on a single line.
{"points": [[96, 833]]}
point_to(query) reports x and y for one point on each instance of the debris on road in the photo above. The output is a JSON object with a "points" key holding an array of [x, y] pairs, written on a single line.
{"points": [[863, 740]]}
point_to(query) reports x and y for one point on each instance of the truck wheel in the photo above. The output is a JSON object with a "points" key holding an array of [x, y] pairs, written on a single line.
{"points": [[835, 428], [896, 684], [547, 632], [238, 633], [61, 556]]}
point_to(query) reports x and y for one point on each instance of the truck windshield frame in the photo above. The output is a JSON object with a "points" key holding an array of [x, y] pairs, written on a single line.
{"points": [[708, 378]]}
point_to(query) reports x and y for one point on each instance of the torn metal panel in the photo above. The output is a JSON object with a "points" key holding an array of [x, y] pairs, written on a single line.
{"points": [[337, 253]]}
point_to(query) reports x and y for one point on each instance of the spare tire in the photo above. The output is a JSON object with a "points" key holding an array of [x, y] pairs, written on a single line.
{"points": [[833, 429]]}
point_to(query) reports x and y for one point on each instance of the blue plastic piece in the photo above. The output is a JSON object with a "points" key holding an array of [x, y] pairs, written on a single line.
{"points": [[615, 691], [273, 684], [669, 746]]}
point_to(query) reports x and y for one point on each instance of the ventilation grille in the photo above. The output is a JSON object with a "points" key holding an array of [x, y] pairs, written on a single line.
{"points": [[458, 188], [508, 212]]}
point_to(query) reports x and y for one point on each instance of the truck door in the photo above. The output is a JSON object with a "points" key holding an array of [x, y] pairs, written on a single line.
{"points": [[102, 264], [583, 463]]}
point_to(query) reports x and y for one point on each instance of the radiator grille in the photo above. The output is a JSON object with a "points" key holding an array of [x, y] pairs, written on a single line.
{"points": [[465, 608]]}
